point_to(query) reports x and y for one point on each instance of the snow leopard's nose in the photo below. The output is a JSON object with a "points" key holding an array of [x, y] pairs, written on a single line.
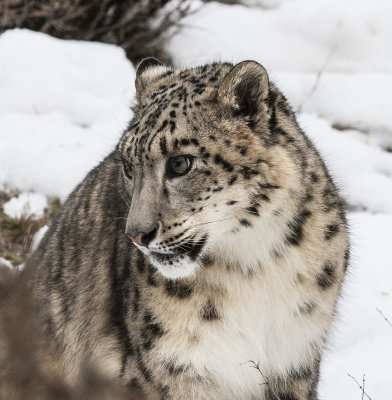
{"points": [[143, 239]]}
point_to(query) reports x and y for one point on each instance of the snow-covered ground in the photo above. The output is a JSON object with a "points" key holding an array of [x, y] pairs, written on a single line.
{"points": [[63, 106]]}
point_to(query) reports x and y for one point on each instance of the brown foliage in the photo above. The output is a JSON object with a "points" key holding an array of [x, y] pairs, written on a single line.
{"points": [[138, 26], [16, 234]]}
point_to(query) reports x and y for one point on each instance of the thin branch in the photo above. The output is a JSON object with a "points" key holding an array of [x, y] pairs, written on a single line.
{"points": [[266, 381], [362, 387], [318, 77], [386, 319]]}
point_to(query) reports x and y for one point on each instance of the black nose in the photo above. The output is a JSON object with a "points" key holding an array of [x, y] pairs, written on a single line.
{"points": [[144, 239], [148, 237]]}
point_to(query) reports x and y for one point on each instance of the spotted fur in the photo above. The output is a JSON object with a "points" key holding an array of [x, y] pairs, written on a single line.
{"points": [[243, 256]]}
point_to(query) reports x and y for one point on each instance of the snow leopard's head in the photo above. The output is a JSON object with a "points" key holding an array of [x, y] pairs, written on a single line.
{"points": [[198, 163]]}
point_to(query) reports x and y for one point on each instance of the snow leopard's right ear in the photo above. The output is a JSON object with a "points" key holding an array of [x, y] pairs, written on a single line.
{"points": [[244, 91], [147, 72]]}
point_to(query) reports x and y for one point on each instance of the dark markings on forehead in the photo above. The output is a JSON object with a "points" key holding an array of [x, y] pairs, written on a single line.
{"points": [[150, 123], [180, 94], [163, 145], [163, 126], [172, 126], [160, 129]]}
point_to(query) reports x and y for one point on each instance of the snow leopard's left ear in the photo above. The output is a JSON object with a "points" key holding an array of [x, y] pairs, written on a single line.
{"points": [[147, 72], [244, 90]]}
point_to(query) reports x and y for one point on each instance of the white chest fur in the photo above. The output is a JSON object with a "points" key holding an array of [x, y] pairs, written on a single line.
{"points": [[258, 321], [258, 301]]}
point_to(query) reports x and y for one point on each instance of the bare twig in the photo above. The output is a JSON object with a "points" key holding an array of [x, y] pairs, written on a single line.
{"points": [[362, 387], [319, 74], [257, 367], [266, 380], [386, 319]]}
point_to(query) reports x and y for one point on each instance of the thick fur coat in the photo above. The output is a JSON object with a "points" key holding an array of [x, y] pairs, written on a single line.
{"points": [[239, 249]]}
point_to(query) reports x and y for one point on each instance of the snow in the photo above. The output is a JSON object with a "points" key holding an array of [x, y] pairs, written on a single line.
{"points": [[26, 205], [348, 40], [38, 237], [297, 36], [361, 100], [6, 263], [365, 176], [362, 339], [63, 106]]}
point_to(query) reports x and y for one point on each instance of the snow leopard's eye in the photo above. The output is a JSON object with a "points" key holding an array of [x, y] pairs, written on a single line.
{"points": [[178, 166], [127, 171]]}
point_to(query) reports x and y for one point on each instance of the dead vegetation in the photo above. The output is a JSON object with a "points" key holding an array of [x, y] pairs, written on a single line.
{"points": [[140, 27], [16, 234]]}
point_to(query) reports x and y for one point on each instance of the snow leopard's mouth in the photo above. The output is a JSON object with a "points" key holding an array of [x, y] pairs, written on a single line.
{"points": [[182, 257]]}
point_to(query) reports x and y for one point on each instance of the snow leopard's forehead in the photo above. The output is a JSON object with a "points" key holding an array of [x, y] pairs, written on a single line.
{"points": [[169, 114]]}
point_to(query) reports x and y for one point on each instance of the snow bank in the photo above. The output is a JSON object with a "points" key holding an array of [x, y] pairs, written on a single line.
{"points": [[348, 40], [296, 36], [41, 74], [363, 173], [6, 263], [359, 100], [63, 106], [26, 205], [362, 343], [38, 237]]}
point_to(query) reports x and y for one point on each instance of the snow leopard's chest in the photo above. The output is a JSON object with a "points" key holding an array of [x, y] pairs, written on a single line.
{"points": [[250, 323]]}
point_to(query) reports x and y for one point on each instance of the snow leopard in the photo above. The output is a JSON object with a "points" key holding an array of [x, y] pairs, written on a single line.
{"points": [[203, 258]]}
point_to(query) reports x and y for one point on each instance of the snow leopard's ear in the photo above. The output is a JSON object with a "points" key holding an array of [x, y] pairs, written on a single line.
{"points": [[244, 90], [148, 71]]}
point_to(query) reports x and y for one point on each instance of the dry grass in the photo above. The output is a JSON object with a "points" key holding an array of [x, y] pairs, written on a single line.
{"points": [[139, 26], [16, 234]]}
